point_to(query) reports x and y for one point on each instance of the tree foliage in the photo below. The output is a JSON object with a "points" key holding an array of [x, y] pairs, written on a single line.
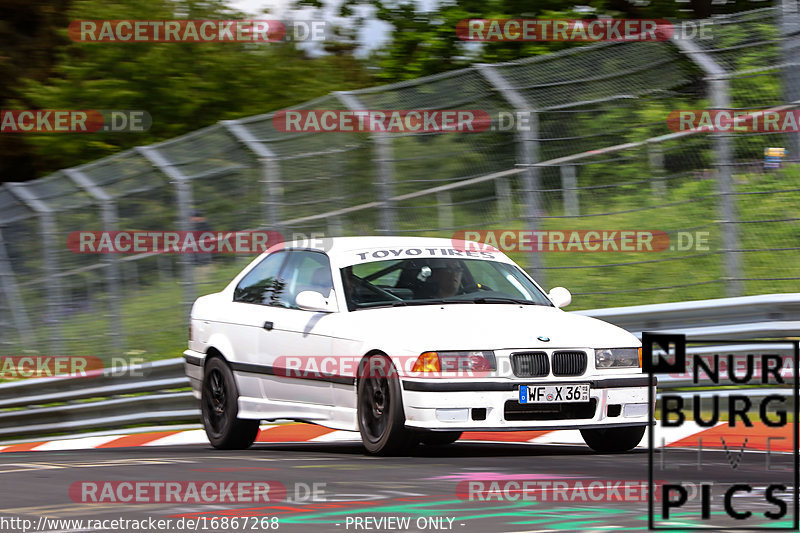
{"points": [[29, 40], [423, 40], [184, 86]]}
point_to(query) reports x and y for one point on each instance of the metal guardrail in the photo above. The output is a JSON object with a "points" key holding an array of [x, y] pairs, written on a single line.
{"points": [[94, 402], [746, 317], [146, 377], [98, 400], [118, 412]]}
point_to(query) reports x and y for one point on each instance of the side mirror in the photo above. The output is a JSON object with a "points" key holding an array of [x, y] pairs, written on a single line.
{"points": [[314, 301], [560, 296]]}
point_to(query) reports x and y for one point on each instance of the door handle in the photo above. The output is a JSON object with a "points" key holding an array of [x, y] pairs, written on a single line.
{"points": [[268, 325]]}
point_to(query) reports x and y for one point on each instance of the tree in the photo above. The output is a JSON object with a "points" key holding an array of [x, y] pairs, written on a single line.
{"points": [[29, 38], [423, 41], [183, 86]]}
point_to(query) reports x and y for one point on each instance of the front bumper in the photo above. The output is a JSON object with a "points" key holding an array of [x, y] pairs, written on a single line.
{"points": [[494, 405], [193, 364]]}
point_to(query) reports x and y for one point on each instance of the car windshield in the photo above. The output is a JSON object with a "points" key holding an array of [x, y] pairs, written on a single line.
{"points": [[428, 281]]}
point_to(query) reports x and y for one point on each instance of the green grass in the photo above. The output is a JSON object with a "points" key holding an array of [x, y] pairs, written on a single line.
{"points": [[690, 206]]}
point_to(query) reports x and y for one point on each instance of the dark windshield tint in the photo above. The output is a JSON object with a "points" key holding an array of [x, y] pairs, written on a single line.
{"points": [[423, 281]]}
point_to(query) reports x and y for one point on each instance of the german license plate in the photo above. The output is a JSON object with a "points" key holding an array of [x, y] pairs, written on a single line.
{"points": [[553, 393]]}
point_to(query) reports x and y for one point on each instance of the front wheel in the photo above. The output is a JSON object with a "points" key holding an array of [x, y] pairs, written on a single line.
{"points": [[220, 407], [381, 419], [613, 440]]}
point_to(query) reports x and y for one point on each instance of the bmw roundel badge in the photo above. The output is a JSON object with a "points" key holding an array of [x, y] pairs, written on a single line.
{"points": [[544, 339]]}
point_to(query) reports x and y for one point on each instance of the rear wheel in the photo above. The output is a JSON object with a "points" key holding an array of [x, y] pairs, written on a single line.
{"points": [[439, 438], [220, 408], [381, 419], [613, 440]]}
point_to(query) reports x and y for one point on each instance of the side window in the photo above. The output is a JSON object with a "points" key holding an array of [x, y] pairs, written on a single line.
{"points": [[304, 271], [257, 286]]}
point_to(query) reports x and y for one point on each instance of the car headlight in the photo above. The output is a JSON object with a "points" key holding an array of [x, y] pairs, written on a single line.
{"points": [[617, 358], [455, 361]]}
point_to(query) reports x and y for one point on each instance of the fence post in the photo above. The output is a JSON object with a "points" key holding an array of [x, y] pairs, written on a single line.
{"points": [[444, 201], [719, 90], [724, 163], [108, 212], [12, 297], [502, 190], [655, 160], [335, 223], [272, 192], [790, 48], [183, 197], [54, 288], [271, 189], [569, 184], [382, 154], [527, 156]]}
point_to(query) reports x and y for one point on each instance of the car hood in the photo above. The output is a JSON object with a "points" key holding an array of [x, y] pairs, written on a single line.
{"points": [[485, 327]]}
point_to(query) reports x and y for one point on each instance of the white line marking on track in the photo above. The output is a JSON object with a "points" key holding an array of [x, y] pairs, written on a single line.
{"points": [[338, 436], [83, 443], [194, 436]]}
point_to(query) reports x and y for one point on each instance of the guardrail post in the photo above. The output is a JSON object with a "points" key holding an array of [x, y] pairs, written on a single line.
{"points": [[13, 299], [54, 288], [719, 92], [108, 212], [183, 197], [527, 156], [382, 155]]}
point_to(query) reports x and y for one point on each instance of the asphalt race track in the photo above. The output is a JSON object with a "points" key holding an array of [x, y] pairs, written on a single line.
{"points": [[421, 487]]}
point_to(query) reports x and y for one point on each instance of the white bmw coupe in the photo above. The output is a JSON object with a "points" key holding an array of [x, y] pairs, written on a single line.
{"points": [[408, 340]]}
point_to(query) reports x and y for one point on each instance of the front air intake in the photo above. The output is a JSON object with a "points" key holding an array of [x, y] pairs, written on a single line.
{"points": [[569, 363], [530, 364]]}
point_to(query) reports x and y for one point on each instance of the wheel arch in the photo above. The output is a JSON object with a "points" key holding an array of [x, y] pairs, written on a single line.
{"points": [[220, 346], [213, 352], [370, 353]]}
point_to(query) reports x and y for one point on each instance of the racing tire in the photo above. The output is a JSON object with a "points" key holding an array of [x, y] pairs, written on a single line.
{"points": [[381, 419], [220, 408], [439, 438], [613, 440]]}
